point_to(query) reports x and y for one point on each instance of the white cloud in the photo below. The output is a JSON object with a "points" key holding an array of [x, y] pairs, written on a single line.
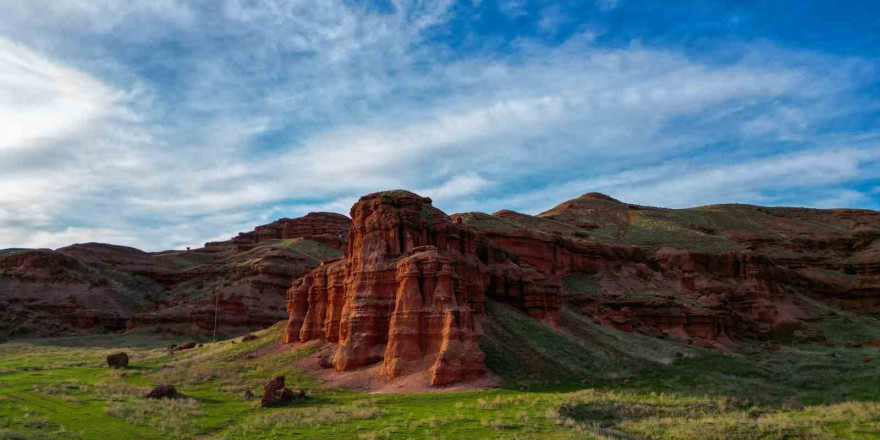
{"points": [[842, 198], [271, 109], [42, 101], [680, 184], [457, 186], [71, 235]]}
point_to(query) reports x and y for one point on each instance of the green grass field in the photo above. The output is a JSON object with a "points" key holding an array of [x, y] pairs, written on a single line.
{"points": [[580, 381]]}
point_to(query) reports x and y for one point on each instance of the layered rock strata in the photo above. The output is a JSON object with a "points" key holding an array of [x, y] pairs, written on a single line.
{"points": [[100, 287], [409, 292]]}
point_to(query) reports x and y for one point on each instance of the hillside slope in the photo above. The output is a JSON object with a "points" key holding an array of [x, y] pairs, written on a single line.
{"points": [[415, 285], [100, 287]]}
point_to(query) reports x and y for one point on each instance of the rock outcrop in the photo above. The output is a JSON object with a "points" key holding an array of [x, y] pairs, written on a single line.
{"points": [[163, 392], [100, 287], [402, 286], [327, 228], [276, 394], [409, 292], [118, 360], [701, 274]]}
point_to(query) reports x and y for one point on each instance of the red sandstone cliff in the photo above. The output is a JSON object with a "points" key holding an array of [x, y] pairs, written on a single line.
{"points": [[703, 274], [409, 292], [98, 287], [697, 274], [327, 228]]}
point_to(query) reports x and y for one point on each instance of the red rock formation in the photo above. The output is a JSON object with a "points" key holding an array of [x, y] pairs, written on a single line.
{"points": [[699, 296], [327, 228], [410, 291], [94, 286], [701, 274], [689, 294], [276, 394]]}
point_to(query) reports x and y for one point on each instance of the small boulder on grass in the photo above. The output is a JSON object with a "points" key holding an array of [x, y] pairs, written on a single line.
{"points": [[248, 337], [162, 392], [276, 394], [118, 360], [186, 345]]}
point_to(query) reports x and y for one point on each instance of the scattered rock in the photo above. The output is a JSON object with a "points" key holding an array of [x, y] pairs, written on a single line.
{"points": [[186, 345], [276, 394], [248, 337], [162, 392], [118, 360]]}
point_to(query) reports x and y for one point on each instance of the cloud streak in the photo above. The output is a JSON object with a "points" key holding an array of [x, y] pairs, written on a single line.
{"points": [[164, 124]]}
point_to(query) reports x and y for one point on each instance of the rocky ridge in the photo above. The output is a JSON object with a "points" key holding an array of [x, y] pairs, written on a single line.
{"points": [[101, 287], [402, 289], [409, 291]]}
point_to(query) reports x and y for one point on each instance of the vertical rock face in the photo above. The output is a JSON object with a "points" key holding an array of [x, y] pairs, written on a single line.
{"points": [[409, 292], [699, 275]]}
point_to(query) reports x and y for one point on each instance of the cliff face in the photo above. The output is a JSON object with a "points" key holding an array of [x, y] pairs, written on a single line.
{"points": [[245, 279], [688, 295], [702, 274], [327, 228], [409, 292], [100, 287], [402, 285], [44, 292]]}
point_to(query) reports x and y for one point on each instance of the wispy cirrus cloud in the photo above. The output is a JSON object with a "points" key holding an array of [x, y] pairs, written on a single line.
{"points": [[822, 174], [163, 124]]}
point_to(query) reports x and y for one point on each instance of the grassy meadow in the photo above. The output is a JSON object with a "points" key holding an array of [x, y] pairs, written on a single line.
{"points": [[581, 382]]}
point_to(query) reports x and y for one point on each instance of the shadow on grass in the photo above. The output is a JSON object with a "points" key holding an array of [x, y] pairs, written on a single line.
{"points": [[531, 356]]}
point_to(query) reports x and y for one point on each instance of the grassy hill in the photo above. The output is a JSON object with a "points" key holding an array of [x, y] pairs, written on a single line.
{"points": [[578, 381]]}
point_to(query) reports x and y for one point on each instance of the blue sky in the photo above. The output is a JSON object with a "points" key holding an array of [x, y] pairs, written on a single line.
{"points": [[167, 123]]}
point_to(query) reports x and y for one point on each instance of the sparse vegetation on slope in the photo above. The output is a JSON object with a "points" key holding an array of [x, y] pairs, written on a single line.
{"points": [[579, 381]]}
